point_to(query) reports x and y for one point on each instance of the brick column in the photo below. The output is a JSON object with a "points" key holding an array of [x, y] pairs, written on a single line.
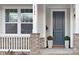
{"points": [[41, 42], [35, 43], [76, 43]]}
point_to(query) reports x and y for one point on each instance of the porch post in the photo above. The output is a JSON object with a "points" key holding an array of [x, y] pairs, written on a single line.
{"points": [[35, 18], [71, 26], [77, 18], [35, 36], [44, 25], [76, 34]]}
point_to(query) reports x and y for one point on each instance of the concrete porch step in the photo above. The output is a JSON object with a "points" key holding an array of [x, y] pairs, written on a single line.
{"points": [[56, 51]]}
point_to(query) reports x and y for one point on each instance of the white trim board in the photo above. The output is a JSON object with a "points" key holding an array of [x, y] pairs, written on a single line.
{"points": [[58, 6]]}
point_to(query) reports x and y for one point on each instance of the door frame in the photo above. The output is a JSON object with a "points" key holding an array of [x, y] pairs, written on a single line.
{"points": [[59, 9]]}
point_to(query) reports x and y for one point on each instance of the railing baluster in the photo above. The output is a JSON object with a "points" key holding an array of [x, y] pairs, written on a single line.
{"points": [[21, 42], [2, 42], [25, 43], [16, 42], [28, 42], [9, 42]]}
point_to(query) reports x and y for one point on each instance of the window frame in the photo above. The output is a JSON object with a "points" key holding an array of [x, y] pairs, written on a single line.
{"points": [[18, 21]]}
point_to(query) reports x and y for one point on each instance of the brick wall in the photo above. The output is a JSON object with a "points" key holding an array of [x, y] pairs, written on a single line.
{"points": [[41, 42], [35, 43], [76, 43]]}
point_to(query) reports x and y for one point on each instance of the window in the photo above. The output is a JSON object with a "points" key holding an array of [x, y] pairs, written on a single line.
{"points": [[11, 20], [11, 28], [26, 21], [26, 15], [18, 21]]}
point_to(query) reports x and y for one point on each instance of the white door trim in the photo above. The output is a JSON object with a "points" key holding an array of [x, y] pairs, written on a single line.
{"points": [[58, 9]]}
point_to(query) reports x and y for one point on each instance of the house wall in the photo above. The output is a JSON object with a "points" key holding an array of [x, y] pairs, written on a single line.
{"points": [[48, 18], [1, 20]]}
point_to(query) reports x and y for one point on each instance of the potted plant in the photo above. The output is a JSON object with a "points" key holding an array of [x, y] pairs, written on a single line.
{"points": [[67, 39], [50, 41]]}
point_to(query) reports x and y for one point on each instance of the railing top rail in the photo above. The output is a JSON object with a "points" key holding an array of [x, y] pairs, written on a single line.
{"points": [[14, 35]]}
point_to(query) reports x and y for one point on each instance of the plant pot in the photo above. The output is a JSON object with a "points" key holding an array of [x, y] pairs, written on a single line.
{"points": [[66, 43], [50, 43]]}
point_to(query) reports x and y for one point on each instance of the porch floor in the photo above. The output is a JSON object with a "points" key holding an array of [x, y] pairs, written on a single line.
{"points": [[56, 51]]}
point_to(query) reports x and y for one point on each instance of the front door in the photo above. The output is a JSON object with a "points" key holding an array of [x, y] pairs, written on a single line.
{"points": [[58, 28]]}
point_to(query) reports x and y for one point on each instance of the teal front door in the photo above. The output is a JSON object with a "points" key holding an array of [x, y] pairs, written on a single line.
{"points": [[58, 27]]}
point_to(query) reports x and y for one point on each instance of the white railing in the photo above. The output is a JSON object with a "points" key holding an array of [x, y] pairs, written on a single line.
{"points": [[14, 42]]}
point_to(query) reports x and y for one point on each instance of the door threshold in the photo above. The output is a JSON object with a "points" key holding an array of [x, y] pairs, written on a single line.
{"points": [[58, 46]]}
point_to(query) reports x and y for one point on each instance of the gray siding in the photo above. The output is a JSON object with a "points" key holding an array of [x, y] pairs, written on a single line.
{"points": [[0, 20]]}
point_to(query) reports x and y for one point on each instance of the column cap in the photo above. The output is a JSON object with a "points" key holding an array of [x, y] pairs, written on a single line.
{"points": [[35, 34]]}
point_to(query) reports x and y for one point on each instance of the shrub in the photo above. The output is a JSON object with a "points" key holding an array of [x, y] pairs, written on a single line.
{"points": [[49, 37], [67, 38]]}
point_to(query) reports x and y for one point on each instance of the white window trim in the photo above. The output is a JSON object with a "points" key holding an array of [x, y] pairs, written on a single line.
{"points": [[19, 22]]}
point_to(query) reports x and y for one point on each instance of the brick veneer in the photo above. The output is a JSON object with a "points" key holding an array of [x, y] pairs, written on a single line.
{"points": [[35, 43], [76, 43], [41, 42]]}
